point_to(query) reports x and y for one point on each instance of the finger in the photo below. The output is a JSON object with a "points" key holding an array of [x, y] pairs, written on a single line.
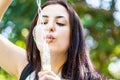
{"points": [[47, 77], [42, 73]]}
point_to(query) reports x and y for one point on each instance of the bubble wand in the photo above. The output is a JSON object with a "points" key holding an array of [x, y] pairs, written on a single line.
{"points": [[45, 56]]}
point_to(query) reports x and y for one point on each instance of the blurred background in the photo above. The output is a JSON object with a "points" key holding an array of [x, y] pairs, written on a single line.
{"points": [[101, 21]]}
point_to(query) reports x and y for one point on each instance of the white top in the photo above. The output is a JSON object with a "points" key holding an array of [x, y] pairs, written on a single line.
{"points": [[32, 76]]}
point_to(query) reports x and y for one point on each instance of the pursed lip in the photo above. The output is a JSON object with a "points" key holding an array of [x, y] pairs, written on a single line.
{"points": [[49, 38]]}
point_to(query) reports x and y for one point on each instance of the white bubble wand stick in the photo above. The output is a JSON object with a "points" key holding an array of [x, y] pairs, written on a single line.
{"points": [[45, 56]]}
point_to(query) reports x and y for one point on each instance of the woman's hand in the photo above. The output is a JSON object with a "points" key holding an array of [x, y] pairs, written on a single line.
{"points": [[4, 4], [48, 75]]}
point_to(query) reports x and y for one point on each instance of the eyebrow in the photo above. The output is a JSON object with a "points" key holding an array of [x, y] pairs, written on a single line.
{"points": [[45, 16], [56, 17], [60, 17]]}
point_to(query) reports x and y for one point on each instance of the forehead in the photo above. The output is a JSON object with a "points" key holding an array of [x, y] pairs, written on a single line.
{"points": [[55, 10]]}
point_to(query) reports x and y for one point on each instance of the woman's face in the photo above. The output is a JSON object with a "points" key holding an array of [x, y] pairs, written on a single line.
{"points": [[56, 26]]}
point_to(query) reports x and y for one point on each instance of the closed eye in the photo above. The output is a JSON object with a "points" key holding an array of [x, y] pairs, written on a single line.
{"points": [[44, 23], [60, 24]]}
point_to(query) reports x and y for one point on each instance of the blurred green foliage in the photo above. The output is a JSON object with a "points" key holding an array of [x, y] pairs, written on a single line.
{"points": [[98, 24]]}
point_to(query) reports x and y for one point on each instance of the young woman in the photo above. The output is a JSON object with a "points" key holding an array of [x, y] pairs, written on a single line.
{"points": [[64, 36]]}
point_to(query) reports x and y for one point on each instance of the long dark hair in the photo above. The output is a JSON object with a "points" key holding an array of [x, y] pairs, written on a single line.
{"points": [[78, 65]]}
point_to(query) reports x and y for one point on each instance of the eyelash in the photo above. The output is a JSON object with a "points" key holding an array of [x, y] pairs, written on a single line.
{"points": [[44, 23], [60, 24]]}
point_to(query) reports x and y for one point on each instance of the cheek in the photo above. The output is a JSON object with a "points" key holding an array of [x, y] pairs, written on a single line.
{"points": [[38, 36], [64, 39]]}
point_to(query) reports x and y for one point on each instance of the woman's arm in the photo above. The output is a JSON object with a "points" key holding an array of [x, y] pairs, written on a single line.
{"points": [[12, 58], [4, 4]]}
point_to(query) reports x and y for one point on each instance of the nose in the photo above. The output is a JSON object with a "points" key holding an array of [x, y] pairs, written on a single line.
{"points": [[50, 27]]}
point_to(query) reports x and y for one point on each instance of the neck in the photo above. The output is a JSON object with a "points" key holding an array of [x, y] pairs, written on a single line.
{"points": [[57, 62]]}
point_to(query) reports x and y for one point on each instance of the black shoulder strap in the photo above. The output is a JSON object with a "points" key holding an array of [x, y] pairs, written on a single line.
{"points": [[25, 73]]}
